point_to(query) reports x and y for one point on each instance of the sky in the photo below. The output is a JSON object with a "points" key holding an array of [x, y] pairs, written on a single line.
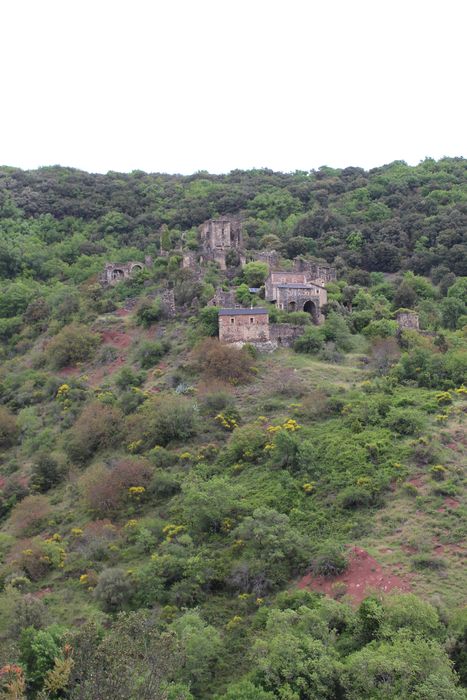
{"points": [[180, 86]]}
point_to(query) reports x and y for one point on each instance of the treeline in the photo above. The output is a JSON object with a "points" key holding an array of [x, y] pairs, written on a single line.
{"points": [[385, 219]]}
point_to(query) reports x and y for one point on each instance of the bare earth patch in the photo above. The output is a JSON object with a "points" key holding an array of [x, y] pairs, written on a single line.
{"points": [[363, 575]]}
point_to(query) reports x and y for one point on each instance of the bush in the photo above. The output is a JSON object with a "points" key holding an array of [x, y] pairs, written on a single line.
{"points": [[106, 490], [329, 561], [228, 364], [405, 421], [8, 428], [354, 497], [148, 312], [128, 377], [310, 342], [29, 516], [150, 352], [73, 344], [113, 590], [46, 472], [163, 419], [336, 329], [98, 427], [383, 328]]}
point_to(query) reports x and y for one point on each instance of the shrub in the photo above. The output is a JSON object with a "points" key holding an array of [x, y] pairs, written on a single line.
{"points": [[354, 497], [329, 561], [163, 419], [73, 344], [150, 352], [228, 364], [98, 427], [422, 562], [113, 590], [29, 516], [148, 312], [383, 328], [336, 330], [105, 490], [405, 421], [310, 342], [216, 400], [46, 472], [128, 377], [8, 428], [94, 541]]}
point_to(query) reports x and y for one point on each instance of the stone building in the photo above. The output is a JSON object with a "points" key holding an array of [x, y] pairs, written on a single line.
{"points": [[116, 272], [219, 237], [407, 320], [224, 299], [294, 291], [239, 326]]}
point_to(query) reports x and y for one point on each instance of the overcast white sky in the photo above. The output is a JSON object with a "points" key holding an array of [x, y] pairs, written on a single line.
{"points": [[187, 85]]}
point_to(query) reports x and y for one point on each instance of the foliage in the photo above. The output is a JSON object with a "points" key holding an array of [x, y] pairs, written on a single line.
{"points": [[221, 362], [98, 427], [8, 428], [163, 419], [73, 344], [113, 590]]}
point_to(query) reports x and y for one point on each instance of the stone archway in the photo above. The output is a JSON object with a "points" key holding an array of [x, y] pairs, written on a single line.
{"points": [[292, 306], [117, 274], [311, 308], [136, 268]]}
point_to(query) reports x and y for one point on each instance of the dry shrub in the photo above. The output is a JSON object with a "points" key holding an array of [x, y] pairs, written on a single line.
{"points": [[8, 428], [287, 384], [385, 352], [315, 405], [29, 516], [105, 490], [98, 427], [223, 362], [93, 543]]}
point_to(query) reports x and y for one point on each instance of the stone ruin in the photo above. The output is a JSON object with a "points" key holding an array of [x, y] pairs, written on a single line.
{"points": [[291, 290], [407, 320], [224, 299], [116, 272], [219, 237]]}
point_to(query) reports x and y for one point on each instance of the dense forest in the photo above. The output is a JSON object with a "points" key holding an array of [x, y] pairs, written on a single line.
{"points": [[186, 520]]}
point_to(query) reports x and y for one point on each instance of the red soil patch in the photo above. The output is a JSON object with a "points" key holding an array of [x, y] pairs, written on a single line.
{"points": [[118, 339], [409, 549], [363, 575], [43, 592], [122, 312], [68, 371], [98, 375], [449, 503], [416, 480]]}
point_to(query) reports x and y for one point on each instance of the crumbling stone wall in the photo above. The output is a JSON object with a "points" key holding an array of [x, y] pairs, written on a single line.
{"points": [[116, 272], [219, 237], [285, 334], [408, 320], [224, 299]]}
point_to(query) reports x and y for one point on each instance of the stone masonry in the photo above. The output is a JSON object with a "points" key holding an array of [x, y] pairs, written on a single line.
{"points": [[116, 272], [219, 237]]}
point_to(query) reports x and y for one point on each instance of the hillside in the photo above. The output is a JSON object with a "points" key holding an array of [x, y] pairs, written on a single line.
{"points": [[184, 518]]}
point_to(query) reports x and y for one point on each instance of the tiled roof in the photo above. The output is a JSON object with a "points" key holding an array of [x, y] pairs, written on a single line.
{"points": [[242, 312]]}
